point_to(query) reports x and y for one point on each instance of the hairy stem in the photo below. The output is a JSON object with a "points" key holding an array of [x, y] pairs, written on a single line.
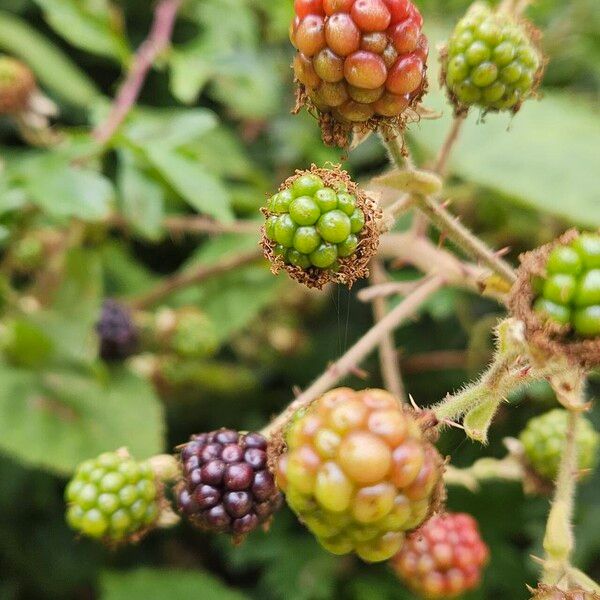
{"points": [[362, 348], [158, 39], [193, 276]]}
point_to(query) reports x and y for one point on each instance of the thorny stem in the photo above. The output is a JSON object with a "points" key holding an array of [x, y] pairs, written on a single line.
{"points": [[191, 277], [158, 39], [484, 469], [363, 347], [388, 356], [453, 228]]}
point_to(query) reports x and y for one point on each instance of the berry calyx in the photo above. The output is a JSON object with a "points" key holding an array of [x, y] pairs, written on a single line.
{"points": [[113, 498], [351, 52], [545, 592], [569, 293], [444, 557], [321, 227], [359, 472], [544, 437], [226, 485], [16, 85], [492, 61], [117, 332]]}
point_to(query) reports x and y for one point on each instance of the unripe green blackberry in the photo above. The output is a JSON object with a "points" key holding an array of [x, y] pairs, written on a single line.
{"points": [[569, 293], [544, 437], [16, 85], [359, 472], [360, 63], [113, 498], [321, 227], [545, 592], [492, 60], [443, 558], [227, 486]]}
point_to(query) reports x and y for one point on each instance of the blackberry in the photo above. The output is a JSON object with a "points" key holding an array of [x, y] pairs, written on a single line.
{"points": [[16, 85], [359, 62], [321, 227], [492, 61], [569, 294], [117, 332], [359, 472], [113, 498], [227, 486], [443, 558], [543, 439]]}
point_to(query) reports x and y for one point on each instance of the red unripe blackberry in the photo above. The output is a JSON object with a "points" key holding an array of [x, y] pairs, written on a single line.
{"points": [[117, 332], [358, 44], [359, 472], [227, 486], [443, 558]]}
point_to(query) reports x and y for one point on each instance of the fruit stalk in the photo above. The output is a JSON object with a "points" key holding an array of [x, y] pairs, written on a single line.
{"points": [[365, 345]]}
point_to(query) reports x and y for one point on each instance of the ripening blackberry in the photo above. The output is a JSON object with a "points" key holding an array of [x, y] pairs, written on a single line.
{"points": [[544, 437], [321, 227], [443, 558], [117, 332], [569, 294], [359, 472], [16, 85], [113, 498], [358, 62], [492, 60], [227, 486]]}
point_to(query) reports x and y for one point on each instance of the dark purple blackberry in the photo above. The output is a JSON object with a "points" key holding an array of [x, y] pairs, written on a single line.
{"points": [[227, 486], [118, 335]]}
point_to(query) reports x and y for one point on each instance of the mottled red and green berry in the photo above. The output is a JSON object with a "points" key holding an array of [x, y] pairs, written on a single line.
{"points": [[359, 472]]}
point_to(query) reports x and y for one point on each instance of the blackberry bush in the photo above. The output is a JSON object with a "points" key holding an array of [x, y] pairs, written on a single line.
{"points": [[117, 332], [359, 62], [543, 440], [113, 498], [321, 227], [491, 61], [569, 294], [443, 558], [359, 472], [227, 486]]}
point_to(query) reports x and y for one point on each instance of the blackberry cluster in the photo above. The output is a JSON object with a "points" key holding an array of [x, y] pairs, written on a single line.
{"points": [[544, 437], [321, 226], [444, 557], [117, 332], [359, 58], [570, 292], [113, 498], [16, 85], [227, 486], [491, 61], [359, 472]]}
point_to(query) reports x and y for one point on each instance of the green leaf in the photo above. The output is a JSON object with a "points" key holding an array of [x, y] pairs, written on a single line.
{"points": [[87, 25], [191, 70], [57, 419], [63, 190], [26, 344], [545, 157], [199, 188], [51, 66], [141, 198], [142, 584]]}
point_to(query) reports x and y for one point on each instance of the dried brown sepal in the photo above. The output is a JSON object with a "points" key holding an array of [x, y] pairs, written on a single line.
{"points": [[548, 337], [17, 84], [351, 268], [546, 592], [336, 131]]}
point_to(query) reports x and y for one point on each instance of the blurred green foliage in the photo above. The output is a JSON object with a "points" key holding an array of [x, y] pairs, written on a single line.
{"points": [[212, 134]]}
